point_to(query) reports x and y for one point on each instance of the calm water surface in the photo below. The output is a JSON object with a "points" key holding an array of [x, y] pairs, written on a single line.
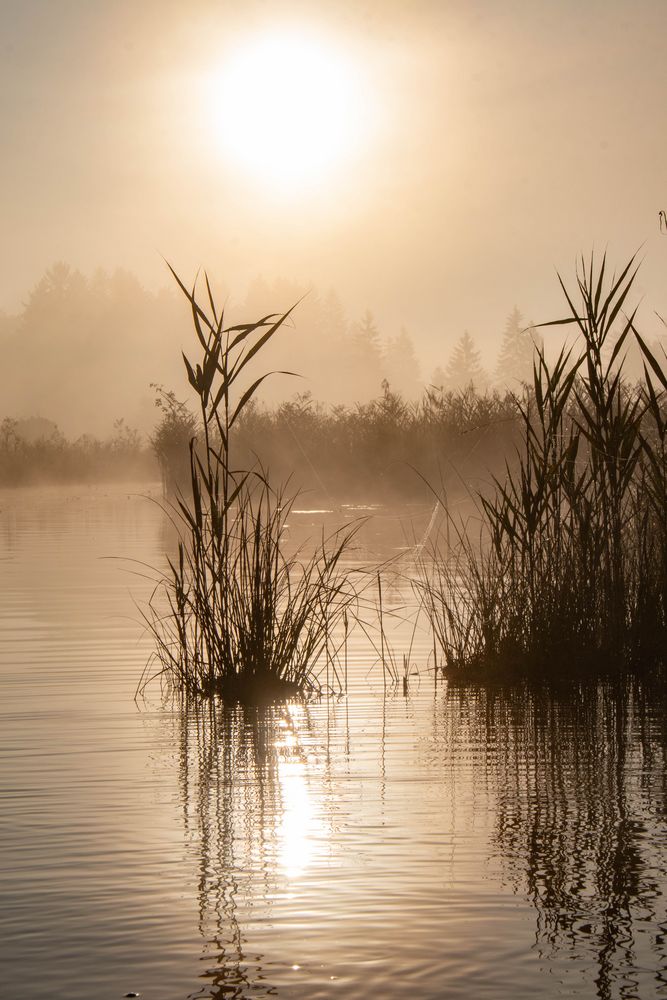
{"points": [[434, 845]]}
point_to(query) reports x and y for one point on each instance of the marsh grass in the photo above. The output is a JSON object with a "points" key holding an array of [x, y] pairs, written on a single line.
{"points": [[368, 452], [50, 457], [234, 615], [565, 568]]}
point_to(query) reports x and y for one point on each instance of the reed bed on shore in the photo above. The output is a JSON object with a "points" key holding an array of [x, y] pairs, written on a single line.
{"points": [[366, 452], [49, 457], [565, 568], [235, 615]]}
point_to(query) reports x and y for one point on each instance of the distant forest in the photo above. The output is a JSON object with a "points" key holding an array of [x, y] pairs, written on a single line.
{"points": [[88, 358], [84, 351]]}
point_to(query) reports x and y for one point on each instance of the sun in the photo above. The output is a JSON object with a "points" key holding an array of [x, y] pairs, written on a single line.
{"points": [[289, 109]]}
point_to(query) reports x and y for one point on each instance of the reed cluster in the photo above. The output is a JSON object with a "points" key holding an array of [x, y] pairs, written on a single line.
{"points": [[566, 567], [369, 451], [47, 456], [235, 615]]}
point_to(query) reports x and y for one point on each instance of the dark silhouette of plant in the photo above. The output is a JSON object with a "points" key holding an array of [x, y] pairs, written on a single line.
{"points": [[235, 616], [568, 563]]}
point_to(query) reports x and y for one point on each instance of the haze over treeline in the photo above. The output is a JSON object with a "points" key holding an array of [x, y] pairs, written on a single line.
{"points": [[86, 351], [493, 143]]}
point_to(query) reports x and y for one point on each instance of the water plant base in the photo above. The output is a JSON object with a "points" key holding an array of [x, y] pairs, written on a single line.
{"points": [[262, 688], [566, 665]]}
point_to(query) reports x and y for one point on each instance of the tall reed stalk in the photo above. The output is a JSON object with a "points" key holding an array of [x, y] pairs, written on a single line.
{"points": [[236, 616], [567, 568]]}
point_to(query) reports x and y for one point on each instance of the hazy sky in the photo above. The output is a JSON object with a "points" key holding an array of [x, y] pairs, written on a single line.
{"points": [[493, 141]]}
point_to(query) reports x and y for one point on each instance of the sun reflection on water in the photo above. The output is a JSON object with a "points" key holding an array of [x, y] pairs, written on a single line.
{"points": [[300, 831]]}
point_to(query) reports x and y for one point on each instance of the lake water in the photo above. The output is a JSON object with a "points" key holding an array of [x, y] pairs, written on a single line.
{"points": [[428, 844]]}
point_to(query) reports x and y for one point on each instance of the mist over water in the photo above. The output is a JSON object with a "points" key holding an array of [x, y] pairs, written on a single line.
{"points": [[333, 582], [429, 843]]}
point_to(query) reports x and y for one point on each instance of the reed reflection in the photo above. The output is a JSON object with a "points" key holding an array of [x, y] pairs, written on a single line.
{"points": [[580, 786], [252, 823]]}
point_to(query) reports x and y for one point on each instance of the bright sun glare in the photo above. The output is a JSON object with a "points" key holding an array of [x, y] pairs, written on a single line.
{"points": [[289, 109]]}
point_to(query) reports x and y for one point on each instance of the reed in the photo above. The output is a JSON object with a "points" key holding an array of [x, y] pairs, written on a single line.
{"points": [[566, 569], [234, 615], [52, 458], [370, 450]]}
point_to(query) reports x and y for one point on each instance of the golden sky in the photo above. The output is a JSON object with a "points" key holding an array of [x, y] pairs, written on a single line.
{"points": [[465, 149]]}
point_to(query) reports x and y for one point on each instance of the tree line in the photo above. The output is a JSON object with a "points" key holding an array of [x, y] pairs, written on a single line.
{"points": [[84, 350]]}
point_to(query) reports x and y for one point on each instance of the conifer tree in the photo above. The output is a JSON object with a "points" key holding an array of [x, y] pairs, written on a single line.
{"points": [[401, 368], [464, 367], [366, 339], [517, 351], [364, 359]]}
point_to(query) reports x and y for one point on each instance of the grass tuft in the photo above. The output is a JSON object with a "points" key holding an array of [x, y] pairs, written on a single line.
{"points": [[234, 616], [565, 570]]}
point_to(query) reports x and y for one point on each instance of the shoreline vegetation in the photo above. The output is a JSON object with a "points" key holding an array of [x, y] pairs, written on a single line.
{"points": [[562, 570], [557, 568], [384, 451], [35, 452]]}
